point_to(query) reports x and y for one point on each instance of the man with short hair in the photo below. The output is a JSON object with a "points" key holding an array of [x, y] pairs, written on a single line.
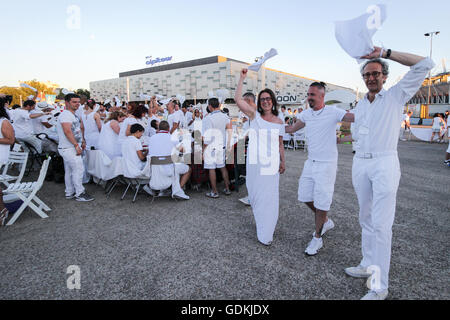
{"points": [[316, 185], [187, 116], [162, 145], [376, 167], [71, 146], [23, 125], [283, 114], [174, 119], [217, 130]]}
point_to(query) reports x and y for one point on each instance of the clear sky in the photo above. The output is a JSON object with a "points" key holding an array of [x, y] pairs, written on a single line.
{"points": [[41, 40]]}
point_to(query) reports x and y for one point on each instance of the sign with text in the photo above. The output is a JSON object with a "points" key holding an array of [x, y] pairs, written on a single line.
{"points": [[152, 62]]}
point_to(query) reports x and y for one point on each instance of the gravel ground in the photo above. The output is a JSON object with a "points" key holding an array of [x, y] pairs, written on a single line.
{"points": [[207, 249]]}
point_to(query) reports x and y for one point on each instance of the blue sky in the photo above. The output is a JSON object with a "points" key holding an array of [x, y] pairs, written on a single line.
{"points": [[117, 36]]}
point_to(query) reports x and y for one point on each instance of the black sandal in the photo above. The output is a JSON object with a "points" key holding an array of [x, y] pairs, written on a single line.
{"points": [[3, 216]]}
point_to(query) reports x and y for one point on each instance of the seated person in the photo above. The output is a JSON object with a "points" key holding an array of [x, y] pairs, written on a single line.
{"points": [[154, 124], [162, 145], [133, 153]]}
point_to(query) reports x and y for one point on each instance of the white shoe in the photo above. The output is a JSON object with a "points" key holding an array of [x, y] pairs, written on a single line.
{"points": [[245, 201], [358, 272], [181, 196], [149, 191], [373, 295], [326, 227], [314, 246]]}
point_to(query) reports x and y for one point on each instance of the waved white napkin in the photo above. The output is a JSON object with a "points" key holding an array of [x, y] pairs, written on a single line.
{"points": [[257, 65], [222, 94], [24, 85], [355, 36]]}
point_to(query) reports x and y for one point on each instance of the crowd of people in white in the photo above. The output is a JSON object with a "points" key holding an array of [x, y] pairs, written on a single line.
{"points": [[140, 132]]}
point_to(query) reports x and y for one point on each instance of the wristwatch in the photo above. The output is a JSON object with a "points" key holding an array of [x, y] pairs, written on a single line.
{"points": [[388, 53]]}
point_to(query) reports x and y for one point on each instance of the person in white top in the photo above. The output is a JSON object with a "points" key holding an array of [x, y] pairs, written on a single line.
{"points": [[137, 113], [195, 123], [299, 112], [7, 139], [376, 167], [43, 129], [174, 119], [132, 150], [265, 159], [438, 123], [152, 110], [162, 144], [70, 132], [406, 126], [316, 185], [92, 125], [217, 130], [23, 126], [187, 117], [283, 114], [108, 141]]}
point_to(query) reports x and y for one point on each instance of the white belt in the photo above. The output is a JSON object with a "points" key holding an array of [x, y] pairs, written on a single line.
{"points": [[363, 155]]}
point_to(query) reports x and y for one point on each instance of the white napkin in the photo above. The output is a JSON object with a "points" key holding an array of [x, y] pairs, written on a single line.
{"points": [[222, 94], [355, 36], [181, 98], [166, 101], [257, 65], [24, 85], [66, 92]]}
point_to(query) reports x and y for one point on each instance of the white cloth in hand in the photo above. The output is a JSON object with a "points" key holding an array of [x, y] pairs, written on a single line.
{"points": [[257, 65], [355, 36]]}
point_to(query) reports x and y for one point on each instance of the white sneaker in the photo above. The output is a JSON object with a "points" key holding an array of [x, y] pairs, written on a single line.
{"points": [[245, 201], [373, 295], [326, 227], [182, 196], [149, 191], [314, 246], [358, 272]]}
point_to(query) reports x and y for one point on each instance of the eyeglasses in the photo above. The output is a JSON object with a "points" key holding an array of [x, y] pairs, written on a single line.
{"points": [[265, 99], [374, 74]]}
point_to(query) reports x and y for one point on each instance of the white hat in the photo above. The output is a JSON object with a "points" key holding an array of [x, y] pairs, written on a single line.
{"points": [[43, 105]]}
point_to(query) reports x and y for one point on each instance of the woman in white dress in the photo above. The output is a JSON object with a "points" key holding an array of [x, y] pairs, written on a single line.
{"points": [[92, 126], [265, 159], [7, 139], [109, 136], [137, 113], [195, 123]]}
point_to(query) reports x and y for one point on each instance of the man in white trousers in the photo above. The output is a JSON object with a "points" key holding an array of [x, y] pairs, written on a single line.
{"points": [[316, 185], [376, 167], [71, 146]]}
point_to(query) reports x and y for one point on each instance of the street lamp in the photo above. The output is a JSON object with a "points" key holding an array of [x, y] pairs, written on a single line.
{"points": [[430, 34]]}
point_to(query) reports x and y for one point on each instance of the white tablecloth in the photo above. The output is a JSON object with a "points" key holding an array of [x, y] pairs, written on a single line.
{"points": [[423, 134]]}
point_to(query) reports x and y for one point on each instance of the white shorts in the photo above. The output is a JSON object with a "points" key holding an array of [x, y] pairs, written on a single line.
{"points": [[181, 168], [216, 160], [317, 183]]}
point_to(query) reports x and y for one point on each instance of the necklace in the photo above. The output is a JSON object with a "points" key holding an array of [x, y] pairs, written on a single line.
{"points": [[316, 114]]}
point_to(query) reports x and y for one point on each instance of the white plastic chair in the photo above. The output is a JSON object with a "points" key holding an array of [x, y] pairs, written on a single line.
{"points": [[300, 142], [19, 158], [26, 191]]}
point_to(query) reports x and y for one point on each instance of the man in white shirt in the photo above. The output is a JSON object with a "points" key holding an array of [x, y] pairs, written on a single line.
{"points": [[187, 117], [217, 131], [283, 114], [299, 112], [71, 146], [43, 129], [23, 125], [405, 125], [162, 144], [376, 167], [174, 119], [316, 186]]}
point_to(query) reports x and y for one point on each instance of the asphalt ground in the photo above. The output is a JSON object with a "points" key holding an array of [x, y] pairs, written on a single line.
{"points": [[207, 249]]}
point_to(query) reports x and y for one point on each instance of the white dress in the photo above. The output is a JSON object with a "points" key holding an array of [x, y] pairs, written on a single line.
{"points": [[4, 148], [91, 133], [109, 142], [263, 177]]}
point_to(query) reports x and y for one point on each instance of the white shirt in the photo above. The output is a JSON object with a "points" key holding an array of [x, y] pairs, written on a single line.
{"points": [[38, 127], [175, 118], [187, 119], [150, 131], [377, 124], [130, 147], [22, 124], [216, 120], [320, 131], [68, 117], [162, 144], [4, 148], [437, 123]]}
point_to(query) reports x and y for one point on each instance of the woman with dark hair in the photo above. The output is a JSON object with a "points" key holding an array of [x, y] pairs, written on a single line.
{"points": [[92, 125], [7, 139], [137, 114], [265, 159]]}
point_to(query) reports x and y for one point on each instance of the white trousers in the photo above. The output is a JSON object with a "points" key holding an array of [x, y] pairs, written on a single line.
{"points": [[74, 169], [35, 142], [376, 183]]}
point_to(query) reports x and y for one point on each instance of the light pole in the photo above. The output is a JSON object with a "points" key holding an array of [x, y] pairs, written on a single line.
{"points": [[430, 34]]}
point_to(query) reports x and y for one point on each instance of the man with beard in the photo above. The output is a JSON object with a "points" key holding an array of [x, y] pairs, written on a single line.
{"points": [[316, 186]]}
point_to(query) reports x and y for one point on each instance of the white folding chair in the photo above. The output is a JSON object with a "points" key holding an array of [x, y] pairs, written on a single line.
{"points": [[26, 191], [133, 181], [18, 158]]}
